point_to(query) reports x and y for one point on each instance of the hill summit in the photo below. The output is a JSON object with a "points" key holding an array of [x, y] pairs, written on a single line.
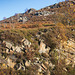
{"points": [[60, 12]]}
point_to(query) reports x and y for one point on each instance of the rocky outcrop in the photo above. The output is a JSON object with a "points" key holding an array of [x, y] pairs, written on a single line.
{"points": [[43, 13], [41, 60], [11, 48], [67, 49], [22, 19], [30, 10]]}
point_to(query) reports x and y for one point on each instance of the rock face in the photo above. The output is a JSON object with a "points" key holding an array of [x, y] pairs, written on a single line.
{"points": [[67, 49], [25, 19], [24, 56], [43, 48], [10, 47]]}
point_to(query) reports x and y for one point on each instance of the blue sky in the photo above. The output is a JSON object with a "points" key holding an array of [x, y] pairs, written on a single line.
{"points": [[10, 7]]}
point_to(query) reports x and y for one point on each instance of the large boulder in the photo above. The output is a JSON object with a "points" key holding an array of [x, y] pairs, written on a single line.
{"points": [[30, 10], [25, 19], [45, 13]]}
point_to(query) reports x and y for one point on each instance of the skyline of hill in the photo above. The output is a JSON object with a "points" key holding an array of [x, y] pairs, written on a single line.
{"points": [[9, 8]]}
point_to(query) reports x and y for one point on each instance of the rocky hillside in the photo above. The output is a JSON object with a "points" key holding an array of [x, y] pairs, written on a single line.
{"points": [[61, 12], [43, 51], [39, 42]]}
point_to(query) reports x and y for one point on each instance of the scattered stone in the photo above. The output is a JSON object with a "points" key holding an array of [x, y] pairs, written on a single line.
{"points": [[64, 69], [10, 63], [44, 13], [43, 48], [8, 44], [27, 43], [18, 49], [30, 10], [67, 61], [27, 63], [51, 65], [17, 66]]}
